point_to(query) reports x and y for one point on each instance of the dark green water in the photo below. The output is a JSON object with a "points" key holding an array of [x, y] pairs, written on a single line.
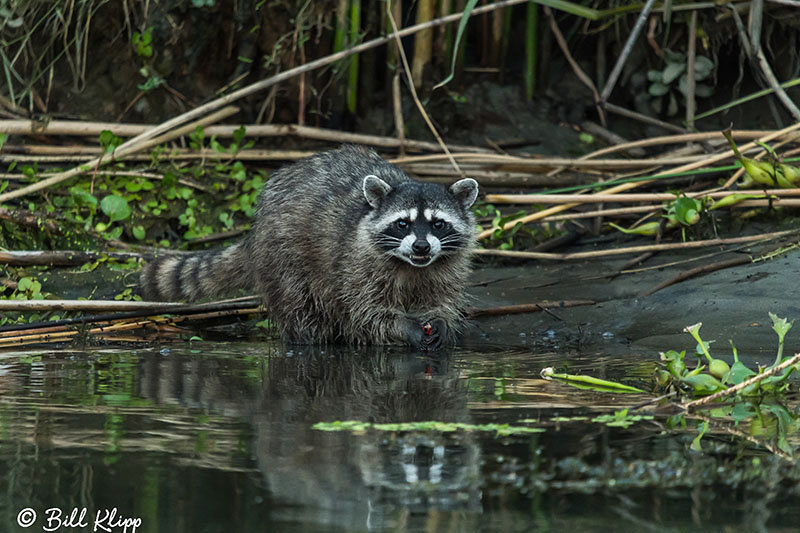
{"points": [[218, 438]]}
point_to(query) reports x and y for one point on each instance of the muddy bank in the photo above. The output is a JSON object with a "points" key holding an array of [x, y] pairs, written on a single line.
{"points": [[732, 303]]}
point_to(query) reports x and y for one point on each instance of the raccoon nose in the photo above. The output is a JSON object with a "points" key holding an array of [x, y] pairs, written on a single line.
{"points": [[421, 247]]}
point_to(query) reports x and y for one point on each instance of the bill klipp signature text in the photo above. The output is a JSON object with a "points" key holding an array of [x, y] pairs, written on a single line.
{"points": [[105, 520]]}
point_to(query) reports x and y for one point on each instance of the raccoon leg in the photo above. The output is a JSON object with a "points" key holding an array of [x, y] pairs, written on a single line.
{"points": [[428, 336], [412, 332], [435, 335]]}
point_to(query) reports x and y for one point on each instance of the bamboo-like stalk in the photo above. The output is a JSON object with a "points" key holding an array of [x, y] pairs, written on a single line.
{"points": [[690, 74], [579, 73], [134, 145], [155, 309], [626, 50], [64, 127], [641, 117], [174, 154], [407, 71], [475, 312], [352, 69], [627, 186], [679, 139], [24, 306], [634, 249], [67, 335], [696, 271], [423, 42], [60, 258], [622, 198], [653, 208], [531, 47], [509, 162], [497, 37]]}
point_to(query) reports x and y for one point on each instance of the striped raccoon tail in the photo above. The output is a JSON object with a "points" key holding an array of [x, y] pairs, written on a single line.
{"points": [[195, 275]]}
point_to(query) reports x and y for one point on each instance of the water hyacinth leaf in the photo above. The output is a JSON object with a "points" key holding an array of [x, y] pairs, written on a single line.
{"points": [[703, 67], [674, 57], [648, 229], [696, 446], [675, 363], [687, 210], [82, 197], [657, 89], [115, 207], [733, 199], [672, 72], [738, 373], [703, 383], [781, 326], [741, 412], [672, 106], [442, 427], [719, 369], [621, 419], [588, 381]]}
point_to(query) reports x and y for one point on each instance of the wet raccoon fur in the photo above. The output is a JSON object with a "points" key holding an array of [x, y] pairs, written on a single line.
{"points": [[344, 247]]}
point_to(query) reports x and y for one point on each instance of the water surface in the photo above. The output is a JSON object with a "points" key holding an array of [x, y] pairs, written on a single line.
{"points": [[214, 437]]}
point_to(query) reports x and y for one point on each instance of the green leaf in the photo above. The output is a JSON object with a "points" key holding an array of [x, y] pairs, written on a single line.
{"points": [[703, 66], [115, 207], [238, 135], [109, 141], [781, 326], [462, 25], [138, 232], [703, 383], [657, 89], [696, 442], [655, 75], [687, 210], [592, 382], [648, 228], [674, 57], [672, 72], [675, 363], [621, 419], [82, 197], [24, 284]]}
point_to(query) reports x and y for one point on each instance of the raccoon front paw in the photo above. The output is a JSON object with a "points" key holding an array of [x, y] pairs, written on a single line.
{"points": [[434, 335]]}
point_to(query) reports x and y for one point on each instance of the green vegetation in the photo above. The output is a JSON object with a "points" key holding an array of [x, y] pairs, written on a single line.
{"points": [[718, 374], [501, 430], [588, 382]]}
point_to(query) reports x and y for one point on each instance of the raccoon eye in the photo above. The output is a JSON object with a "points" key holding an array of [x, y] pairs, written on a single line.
{"points": [[438, 224], [402, 224]]}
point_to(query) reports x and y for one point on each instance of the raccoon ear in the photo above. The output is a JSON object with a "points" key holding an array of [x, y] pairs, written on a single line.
{"points": [[375, 190], [466, 191]]}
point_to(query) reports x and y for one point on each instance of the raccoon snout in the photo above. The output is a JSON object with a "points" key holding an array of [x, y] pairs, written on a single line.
{"points": [[421, 247]]}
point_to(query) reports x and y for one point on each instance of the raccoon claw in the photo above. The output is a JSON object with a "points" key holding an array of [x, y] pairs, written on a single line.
{"points": [[435, 335]]}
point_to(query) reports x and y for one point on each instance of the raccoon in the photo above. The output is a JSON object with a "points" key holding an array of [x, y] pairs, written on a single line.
{"points": [[344, 248]]}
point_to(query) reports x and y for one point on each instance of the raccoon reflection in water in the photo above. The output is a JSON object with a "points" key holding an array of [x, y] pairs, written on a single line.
{"points": [[344, 247]]}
